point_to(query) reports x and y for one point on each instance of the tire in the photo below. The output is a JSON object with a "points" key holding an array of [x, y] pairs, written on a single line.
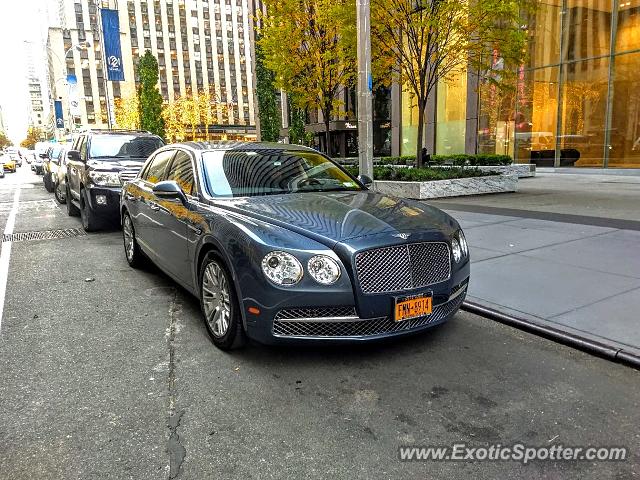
{"points": [[61, 197], [72, 210], [47, 183], [90, 221], [215, 279], [133, 254]]}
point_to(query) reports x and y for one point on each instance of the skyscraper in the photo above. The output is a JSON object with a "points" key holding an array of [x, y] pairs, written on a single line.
{"points": [[201, 45]]}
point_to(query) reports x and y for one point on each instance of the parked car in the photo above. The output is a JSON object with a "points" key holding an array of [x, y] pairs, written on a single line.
{"points": [[280, 244], [29, 156], [97, 164], [1, 169], [50, 165], [38, 162], [59, 182]]}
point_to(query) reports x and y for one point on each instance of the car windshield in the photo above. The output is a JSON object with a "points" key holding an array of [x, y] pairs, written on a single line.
{"points": [[270, 172], [123, 146]]}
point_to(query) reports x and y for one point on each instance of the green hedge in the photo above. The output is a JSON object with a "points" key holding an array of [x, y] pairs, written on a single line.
{"points": [[421, 174], [456, 160]]}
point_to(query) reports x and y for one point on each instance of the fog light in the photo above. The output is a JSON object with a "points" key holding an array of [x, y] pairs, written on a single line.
{"points": [[101, 199]]}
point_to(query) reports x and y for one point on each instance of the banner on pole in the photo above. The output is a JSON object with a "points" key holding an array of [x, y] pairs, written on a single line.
{"points": [[74, 100], [59, 116], [112, 49]]}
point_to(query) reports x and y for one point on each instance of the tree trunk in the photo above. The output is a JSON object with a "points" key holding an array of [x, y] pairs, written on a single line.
{"points": [[327, 135], [421, 106]]}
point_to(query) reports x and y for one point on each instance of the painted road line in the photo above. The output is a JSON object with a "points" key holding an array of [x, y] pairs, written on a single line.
{"points": [[5, 253]]}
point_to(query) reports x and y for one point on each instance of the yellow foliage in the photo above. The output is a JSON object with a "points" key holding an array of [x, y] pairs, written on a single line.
{"points": [[127, 113]]}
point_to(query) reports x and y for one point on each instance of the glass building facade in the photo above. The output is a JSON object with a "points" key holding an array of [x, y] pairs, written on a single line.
{"points": [[576, 101]]}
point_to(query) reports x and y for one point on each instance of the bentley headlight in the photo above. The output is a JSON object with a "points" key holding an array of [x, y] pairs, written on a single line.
{"points": [[324, 269], [456, 250], [282, 268], [463, 243], [105, 179]]}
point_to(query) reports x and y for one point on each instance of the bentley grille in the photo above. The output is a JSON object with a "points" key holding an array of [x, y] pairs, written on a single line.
{"points": [[358, 328], [403, 267]]}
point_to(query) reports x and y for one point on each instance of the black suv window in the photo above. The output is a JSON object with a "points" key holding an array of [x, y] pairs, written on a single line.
{"points": [[123, 146], [181, 172], [156, 170]]}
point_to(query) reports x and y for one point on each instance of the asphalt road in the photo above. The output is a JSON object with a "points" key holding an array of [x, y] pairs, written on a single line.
{"points": [[107, 372]]}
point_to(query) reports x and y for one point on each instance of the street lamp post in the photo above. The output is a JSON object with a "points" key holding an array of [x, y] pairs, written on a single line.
{"points": [[365, 108]]}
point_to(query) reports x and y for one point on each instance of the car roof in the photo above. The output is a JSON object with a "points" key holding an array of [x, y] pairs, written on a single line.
{"points": [[225, 145]]}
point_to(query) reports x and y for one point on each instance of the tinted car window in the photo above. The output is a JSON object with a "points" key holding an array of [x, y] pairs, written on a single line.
{"points": [[82, 147], [181, 172], [123, 146], [235, 173], [156, 171]]}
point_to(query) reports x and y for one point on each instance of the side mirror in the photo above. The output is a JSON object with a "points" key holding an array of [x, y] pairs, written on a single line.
{"points": [[74, 155], [365, 180], [169, 190], [43, 155]]}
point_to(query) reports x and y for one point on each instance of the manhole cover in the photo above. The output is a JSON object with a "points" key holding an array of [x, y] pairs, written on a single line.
{"points": [[44, 235]]}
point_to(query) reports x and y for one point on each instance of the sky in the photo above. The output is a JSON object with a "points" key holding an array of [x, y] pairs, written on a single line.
{"points": [[19, 21]]}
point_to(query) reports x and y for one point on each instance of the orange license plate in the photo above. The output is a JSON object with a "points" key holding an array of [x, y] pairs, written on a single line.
{"points": [[408, 308]]}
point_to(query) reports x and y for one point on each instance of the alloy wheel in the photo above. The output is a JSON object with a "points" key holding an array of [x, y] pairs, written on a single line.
{"points": [[216, 299], [129, 239]]}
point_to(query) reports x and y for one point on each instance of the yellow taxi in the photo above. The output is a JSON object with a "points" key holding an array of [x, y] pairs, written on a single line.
{"points": [[9, 163]]}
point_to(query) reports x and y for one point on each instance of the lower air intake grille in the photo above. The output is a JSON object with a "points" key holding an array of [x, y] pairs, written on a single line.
{"points": [[361, 328]]}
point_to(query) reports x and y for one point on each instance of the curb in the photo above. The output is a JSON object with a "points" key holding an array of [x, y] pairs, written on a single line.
{"points": [[576, 341]]}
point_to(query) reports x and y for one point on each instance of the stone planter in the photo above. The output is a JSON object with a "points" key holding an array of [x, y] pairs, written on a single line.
{"points": [[522, 170], [448, 188]]}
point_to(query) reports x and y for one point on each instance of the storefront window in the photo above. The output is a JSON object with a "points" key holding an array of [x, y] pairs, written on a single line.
{"points": [[409, 129], [587, 29], [628, 34], [451, 115], [543, 28], [535, 119], [625, 118], [584, 106]]}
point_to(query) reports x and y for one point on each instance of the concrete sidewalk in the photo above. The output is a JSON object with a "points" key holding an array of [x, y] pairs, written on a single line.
{"points": [[577, 273]]}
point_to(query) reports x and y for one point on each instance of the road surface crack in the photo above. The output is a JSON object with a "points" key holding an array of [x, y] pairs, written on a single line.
{"points": [[177, 452]]}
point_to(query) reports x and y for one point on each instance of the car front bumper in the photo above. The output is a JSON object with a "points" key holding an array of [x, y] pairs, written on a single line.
{"points": [[334, 318], [104, 201]]}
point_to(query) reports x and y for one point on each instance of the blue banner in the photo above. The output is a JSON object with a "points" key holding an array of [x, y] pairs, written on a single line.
{"points": [[112, 50], [59, 117]]}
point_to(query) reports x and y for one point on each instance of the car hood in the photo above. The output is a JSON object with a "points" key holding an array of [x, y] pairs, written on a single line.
{"points": [[334, 217]]}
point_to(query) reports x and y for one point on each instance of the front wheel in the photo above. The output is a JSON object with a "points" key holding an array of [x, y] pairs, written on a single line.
{"points": [[47, 183], [220, 305], [90, 221], [59, 193], [132, 250], [72, 210]]}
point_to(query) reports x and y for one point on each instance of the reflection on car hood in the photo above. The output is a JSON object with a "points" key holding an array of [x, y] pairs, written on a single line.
{"points": [[338, 216], [116, 164]]}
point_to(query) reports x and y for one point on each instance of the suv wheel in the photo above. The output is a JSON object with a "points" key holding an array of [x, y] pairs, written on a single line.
{"points": [[72, 210], [220, 305], [131, 248], [90, 221], [59, 193], [47, 182]]}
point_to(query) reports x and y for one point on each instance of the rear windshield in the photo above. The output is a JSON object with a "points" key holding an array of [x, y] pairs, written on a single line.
{"points": [[123, 146]]}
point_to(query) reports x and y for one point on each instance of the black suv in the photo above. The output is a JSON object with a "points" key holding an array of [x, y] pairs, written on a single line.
{"points": [[98, 163]]}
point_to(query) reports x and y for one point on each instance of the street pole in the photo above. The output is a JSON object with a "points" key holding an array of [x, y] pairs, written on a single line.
{"points": [[365, 86]]}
